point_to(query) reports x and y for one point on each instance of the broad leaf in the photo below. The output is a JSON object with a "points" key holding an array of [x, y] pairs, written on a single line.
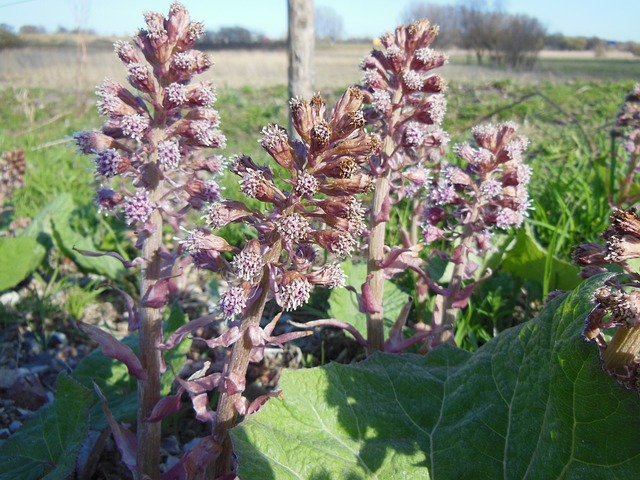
{"points": [[18, 258], [528, 260], [343, 304], [52, 225], [48, 444], [532, 403]]}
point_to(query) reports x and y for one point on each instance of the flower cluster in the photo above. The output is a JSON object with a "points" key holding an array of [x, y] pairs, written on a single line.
{"points": [[628, 127], [617, 302], [489, 191], [155, 133], [407, 104], [629, 119], [319, 209]]}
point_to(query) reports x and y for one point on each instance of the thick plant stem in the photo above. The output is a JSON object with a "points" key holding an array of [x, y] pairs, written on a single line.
{"points": [[226, 412], [375, 320], [449, 310], [150, 336], [622, 349]]}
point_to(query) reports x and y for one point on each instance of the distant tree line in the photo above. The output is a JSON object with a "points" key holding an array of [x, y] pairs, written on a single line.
{"points": [[499, 37]]}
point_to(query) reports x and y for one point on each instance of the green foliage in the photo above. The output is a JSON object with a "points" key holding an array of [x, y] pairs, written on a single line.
{"points": [[532, 403], [48, 445], [528, 260], [19, 257], [343, 304], [53, 225]]}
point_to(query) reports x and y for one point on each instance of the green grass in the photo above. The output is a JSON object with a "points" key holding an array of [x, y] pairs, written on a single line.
{"points": [[567, 122]]}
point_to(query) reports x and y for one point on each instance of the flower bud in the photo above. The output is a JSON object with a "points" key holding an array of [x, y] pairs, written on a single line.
{"points": [[292, 291], [329, 275], [347, 186], [247, 265], [275, 141]]}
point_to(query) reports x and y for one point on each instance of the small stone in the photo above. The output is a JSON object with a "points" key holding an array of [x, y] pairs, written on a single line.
{"points": [[57, 340], [10, 299], [14, 426], [9, 376], [4, 433]]}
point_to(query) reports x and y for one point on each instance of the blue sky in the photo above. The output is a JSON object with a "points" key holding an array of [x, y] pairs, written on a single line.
{"points": [[610, 19]]}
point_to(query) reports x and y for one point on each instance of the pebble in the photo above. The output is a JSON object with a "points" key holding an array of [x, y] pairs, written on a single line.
{"points": [[10, 299], [57, 340], [4, 433], [9, 376], [14, 426]]}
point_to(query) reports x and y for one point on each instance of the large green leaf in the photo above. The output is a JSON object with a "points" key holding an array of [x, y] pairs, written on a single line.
{"points": [[18, 258], [532, 403], [343, 304], [48, 444], [529, 260], [52, 226]]}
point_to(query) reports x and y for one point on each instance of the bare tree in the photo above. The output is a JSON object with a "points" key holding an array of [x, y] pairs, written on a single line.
{"points": [[479, 27], [328, 24], [447, 17], [520, 40]]}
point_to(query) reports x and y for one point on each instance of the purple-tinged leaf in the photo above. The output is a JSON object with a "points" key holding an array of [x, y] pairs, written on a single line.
{"points": [[113, 348], [368, 302], [197, 386], [134, 319], [261, 400], [227, 338], [201, 385], [158, 295], [335, 323], [385, 210], [166, 406], [234, 383], [193, 464], [461, 299], [396, 332], [124, 439], [399, 259], [201, 406], [125, 263], [186, 329]]}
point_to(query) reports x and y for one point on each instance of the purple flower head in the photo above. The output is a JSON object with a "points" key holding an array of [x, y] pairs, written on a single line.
{"points": [[137, 208], [307, 185], [247, 265], [293, 228], [110, 163], [168, 154], [232, 302], [175, 94], [134, 125], [293, 291]]}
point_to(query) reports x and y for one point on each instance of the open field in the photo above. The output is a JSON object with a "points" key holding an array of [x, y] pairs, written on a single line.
{"points": [[72, 69]]}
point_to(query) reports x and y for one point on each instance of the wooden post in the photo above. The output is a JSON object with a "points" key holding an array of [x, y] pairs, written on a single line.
{"points": [[301, 46]]}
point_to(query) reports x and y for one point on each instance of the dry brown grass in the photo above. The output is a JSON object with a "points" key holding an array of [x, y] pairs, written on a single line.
{"points": [[63, 68]]}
